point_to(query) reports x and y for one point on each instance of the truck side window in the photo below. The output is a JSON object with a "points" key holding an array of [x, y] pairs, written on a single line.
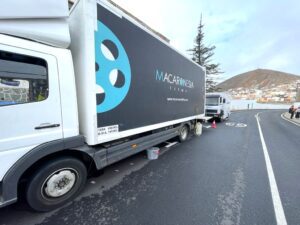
{"points": [[224, 100], [23, 79]]}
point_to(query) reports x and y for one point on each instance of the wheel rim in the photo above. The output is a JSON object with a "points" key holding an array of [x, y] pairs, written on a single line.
{"points": [[59, 183], [183, 133]]}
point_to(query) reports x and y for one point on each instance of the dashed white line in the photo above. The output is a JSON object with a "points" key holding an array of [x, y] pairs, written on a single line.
{"points": [[279, 212]]}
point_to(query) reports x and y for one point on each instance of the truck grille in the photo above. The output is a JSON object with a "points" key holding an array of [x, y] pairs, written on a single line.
{"points": [[211, 111]]}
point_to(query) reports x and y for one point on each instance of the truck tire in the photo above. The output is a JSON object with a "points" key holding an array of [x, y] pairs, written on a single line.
{"points": [[198, 129], [55, 183], [221, 118], [227, 118], [183, 133]]}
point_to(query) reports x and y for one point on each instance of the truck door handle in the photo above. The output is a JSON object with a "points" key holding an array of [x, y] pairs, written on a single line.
{"points": [[46, 125]]}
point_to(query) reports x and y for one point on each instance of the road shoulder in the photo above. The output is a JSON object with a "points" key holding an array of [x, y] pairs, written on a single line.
{"points": [[286, 116]]}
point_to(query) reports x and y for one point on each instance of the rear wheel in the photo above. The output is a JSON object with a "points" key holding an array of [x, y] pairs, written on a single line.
{"points": [[198, 128], [222, 116], [183, 133], [55, 183], [227, 118]]}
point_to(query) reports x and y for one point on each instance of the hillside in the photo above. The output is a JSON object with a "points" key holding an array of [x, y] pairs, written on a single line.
{"points": [[258, 79]]}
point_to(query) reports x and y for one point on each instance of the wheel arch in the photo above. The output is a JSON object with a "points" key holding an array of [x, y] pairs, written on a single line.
{"points": [[74, 153], [64, 147], [188, 124]]}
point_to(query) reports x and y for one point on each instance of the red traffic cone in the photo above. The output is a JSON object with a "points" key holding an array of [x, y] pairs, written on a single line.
{"points": [[214, 125]]}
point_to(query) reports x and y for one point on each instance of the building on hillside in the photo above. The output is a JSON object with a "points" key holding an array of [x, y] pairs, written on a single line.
{"points": [[298, 92]]}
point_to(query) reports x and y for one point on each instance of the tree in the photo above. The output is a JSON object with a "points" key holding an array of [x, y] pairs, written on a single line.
{"points": [[202, 55]]}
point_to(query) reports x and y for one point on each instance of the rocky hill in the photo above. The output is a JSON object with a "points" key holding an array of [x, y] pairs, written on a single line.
{"points": [[258, 79]]}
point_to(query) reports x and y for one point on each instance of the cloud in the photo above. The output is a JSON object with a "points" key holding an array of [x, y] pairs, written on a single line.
{"points": [[277, 62], [148, 12], [267, 38], [247, 34]]}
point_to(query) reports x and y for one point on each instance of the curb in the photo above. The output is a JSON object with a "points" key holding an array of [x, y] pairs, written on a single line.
{"points": [[287, 118]]}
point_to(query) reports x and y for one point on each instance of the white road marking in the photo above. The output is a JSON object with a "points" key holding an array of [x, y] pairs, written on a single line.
{"points": [[238, 125], [171, 144], [289, 120], [207, 126], [230, 124], [241, 125], [279, 212]]}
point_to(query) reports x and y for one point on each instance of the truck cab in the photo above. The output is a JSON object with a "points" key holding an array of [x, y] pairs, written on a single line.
{"points": [[217, 105]]}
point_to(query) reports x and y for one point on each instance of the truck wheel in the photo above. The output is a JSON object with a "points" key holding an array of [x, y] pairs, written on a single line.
{"points": [[55, 183], [183, 133], [222, 118], [227, 118], [198, 129]]}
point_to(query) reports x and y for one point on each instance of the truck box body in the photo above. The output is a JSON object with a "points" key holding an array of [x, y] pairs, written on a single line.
{"points": [[128, 81]]}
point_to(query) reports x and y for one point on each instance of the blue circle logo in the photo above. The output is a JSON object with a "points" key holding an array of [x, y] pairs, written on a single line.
{"points": [[113, 73]]}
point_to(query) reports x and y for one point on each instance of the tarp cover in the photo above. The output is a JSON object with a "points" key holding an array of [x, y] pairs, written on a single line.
{"points": [[40, 20]]}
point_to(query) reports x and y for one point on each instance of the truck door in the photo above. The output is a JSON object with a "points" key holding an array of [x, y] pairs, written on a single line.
{"points": [[30, 111], [226, 106]]}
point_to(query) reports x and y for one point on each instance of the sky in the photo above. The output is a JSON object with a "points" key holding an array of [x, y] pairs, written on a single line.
{"points": [[248, 35]]}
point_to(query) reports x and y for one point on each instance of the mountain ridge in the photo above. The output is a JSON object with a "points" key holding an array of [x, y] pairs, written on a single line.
{"points": [[258, 79]]}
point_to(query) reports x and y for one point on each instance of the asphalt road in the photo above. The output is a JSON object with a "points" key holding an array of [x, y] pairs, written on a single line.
{"points": [[218, 178]]}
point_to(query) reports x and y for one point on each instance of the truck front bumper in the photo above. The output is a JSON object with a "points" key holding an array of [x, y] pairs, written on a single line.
{"points": [[213, 115]]}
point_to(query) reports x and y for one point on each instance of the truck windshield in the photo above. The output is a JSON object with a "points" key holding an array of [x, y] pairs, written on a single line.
{"points": [[212, 101]]}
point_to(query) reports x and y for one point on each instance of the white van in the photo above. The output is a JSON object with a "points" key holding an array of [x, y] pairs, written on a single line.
{"points": [[217, 105]]}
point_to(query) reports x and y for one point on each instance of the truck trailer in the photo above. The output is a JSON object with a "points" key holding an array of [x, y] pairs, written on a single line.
{"points": [[80, 89]]}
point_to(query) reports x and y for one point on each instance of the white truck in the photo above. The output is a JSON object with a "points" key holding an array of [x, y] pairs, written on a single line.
{"points": [[217, 106], [82, 89]]}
